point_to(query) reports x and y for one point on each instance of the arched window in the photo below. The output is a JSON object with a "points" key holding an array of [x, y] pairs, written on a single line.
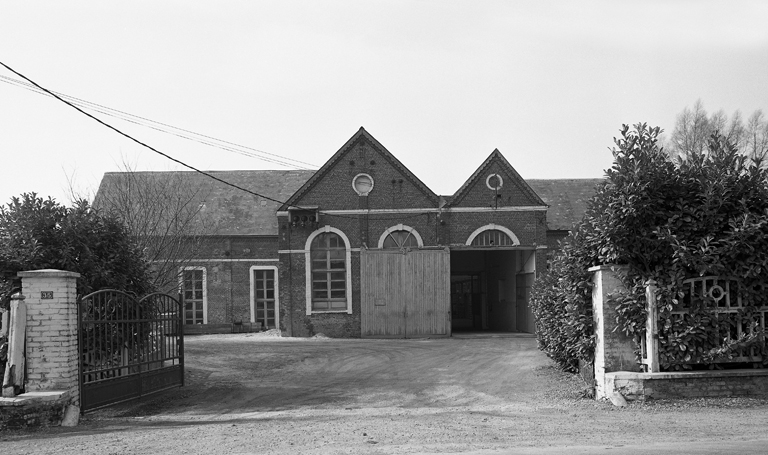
{"points": [[400, 239], [400, 236], [328, 255], [493, 235]]}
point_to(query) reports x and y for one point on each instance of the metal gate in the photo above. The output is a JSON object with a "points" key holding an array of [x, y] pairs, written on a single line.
{"points": [[129, 347], [405, 293]]}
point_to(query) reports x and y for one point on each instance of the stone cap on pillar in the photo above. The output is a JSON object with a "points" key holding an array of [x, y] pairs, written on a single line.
{"points": [[47, 273]]}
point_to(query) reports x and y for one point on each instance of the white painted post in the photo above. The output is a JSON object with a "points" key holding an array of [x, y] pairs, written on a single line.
{"points": [[14, 369], [651, 328]]}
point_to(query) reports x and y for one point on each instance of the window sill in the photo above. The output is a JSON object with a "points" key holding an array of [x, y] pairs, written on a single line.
{"points": [[328, 311]]}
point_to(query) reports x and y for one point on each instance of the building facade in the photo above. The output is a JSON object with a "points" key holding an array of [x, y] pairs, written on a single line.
{"points": [[362, 248]]}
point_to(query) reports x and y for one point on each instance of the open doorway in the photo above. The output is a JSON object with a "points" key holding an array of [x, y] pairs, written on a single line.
{"points": [[490, 290]]}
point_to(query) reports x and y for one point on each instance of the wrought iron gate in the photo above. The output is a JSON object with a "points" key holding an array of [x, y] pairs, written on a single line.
{"points": [[129, 347]]}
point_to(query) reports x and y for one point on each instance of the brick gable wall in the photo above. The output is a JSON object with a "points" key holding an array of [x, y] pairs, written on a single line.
{"points": [[513, 191], [392, 188]]}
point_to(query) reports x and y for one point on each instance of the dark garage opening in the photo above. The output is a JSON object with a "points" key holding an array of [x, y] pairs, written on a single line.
{"points": [[490, 290]]}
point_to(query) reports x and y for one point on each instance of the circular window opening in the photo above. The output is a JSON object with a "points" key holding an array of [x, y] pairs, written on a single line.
{"points": [[494, 182], [362, 184]]}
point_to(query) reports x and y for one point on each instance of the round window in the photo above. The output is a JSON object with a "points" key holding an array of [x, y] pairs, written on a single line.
{"points": [[362, 184], [494, 182]]}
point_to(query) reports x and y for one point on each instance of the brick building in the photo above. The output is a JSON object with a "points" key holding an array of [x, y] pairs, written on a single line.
{"points": [[362, 248]]}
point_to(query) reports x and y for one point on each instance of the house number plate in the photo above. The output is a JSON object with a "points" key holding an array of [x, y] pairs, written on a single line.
{"points": [[46, 294]]}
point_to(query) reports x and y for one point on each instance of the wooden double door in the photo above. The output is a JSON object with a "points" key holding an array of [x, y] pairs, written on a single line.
{"points": [[405, 293]]}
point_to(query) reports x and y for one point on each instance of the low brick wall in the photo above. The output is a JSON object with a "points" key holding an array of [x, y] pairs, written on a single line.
{"points": [[688, 384], [33, 410]]}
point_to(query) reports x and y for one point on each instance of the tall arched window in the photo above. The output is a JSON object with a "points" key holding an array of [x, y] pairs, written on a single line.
{"points": [[328, 254]]}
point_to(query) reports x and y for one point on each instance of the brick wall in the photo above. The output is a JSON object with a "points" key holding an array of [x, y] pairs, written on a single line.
{"points": [[528, 226], [30, 414], [689, 384], [227, 261], [512, 193], [294, 320], [393, 188]]}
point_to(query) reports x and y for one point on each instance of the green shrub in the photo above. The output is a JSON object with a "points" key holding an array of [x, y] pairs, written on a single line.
{"points": [[667, 221], [36, 233], [562, 306]]}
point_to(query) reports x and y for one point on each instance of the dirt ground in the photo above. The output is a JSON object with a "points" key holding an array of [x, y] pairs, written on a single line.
{"points": [[256, 393]]}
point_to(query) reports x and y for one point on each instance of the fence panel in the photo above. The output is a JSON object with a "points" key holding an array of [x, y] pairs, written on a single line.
{"points": [[129, 347], [732, 319]]}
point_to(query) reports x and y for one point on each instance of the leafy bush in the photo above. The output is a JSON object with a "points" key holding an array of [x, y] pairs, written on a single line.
{"points": [[562, 306], [40, 234], [667, 221]]}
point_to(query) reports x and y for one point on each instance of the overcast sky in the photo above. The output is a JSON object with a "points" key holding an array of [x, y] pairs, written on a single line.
{"points": [[440, 84]]}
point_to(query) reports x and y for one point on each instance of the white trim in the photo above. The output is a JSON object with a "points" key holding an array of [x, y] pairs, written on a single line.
{"points": [[308, 268], [253, 292], [192, 261], [488, 182], [205, 288], [362, 193], [489, 227], [525, 208], [400, 227]]}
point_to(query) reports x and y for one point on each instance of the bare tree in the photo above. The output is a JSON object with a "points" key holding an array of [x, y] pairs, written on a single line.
{"points": [[756, 137], [694, 127], [691, 132], [164, 211]]}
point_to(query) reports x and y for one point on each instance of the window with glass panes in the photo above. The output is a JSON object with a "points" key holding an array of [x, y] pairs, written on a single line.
{"points": [[492, 237], [192, 289], [264, 297], [401, 239], [329, 277]]}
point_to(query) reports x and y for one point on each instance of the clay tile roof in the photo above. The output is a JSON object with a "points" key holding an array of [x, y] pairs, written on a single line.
{"points": [[567, 199], [233, 211]]}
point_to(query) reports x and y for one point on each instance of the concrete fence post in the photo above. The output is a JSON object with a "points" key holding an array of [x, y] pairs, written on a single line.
{"points": [[651, 328], [52, 350], [614, 351], [13, 379]]}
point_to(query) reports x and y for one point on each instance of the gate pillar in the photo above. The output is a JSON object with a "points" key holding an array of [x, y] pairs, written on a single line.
{"points": [[614, 351], [52, 351]]}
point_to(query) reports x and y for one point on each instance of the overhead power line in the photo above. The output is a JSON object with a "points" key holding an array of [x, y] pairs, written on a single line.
{"points": [[206, 174], [136, 140], [164, 128]]}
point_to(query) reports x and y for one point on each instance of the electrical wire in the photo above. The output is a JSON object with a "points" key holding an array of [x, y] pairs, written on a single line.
{"points": [[141, 121], [206, 174]]}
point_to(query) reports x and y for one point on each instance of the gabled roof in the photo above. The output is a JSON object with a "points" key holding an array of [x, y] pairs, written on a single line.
{"points": [[360, 135], [567, 199], [494, 157], [233, 212]]}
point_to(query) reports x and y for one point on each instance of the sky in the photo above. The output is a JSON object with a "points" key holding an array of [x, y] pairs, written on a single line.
{"points": [[440, 84]]}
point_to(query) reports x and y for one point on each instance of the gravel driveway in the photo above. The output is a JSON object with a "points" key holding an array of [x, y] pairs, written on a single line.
{"points": [[253, 393]]}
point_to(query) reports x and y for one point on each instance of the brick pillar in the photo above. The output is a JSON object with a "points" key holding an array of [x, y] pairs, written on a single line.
{"points": [[52, 351], [614, 351]]}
